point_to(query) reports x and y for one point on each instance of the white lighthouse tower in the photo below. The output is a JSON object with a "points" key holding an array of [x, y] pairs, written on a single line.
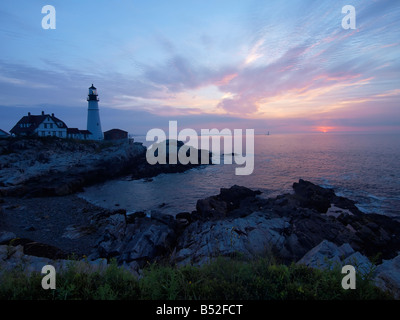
{"points": [[93, 118]]}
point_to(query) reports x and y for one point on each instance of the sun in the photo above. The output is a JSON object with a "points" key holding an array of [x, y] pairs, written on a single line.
{"points": [[324, 129]]}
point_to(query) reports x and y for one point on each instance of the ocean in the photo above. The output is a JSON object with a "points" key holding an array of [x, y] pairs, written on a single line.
{"points": [[362, 167]]}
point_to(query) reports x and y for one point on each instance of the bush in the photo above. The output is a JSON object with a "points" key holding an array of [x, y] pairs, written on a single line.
{"points": [[221, 279]]}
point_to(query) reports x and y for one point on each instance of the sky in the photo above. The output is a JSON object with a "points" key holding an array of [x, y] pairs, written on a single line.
{"points": [[278, 66]]}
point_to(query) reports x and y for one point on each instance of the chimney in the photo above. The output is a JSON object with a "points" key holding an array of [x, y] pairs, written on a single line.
{"points": [[42, 113], [52, 114], [29, 114]]}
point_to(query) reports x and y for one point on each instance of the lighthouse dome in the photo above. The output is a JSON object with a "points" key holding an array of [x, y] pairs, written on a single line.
{"points": [[92, 91]]}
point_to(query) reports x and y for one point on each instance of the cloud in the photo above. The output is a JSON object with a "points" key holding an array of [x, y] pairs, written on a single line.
{"points": [[268, 61]]}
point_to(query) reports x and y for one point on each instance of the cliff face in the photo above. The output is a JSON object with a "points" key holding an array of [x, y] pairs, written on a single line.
{"points": [[48, 167], [44, 167], [56, 167]]}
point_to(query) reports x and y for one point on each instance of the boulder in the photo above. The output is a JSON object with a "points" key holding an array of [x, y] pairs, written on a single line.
{"points": [[252, 236], [235, 195], [328, 255], [139, 238], [222, 205], [312, 196], [211, 208], [388, 276], [37, 249]]}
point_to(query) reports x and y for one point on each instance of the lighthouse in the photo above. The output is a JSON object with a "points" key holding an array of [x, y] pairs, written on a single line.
{"points": [[93, 118]]}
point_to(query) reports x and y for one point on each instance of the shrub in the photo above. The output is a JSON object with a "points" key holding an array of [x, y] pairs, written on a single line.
{"points": [[221, 279]]}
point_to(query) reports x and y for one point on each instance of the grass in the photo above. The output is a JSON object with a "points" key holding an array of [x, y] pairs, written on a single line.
{"points": [[222, 279]]}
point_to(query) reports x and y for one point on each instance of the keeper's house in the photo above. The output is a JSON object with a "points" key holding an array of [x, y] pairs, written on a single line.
{"points": [[46, 125]]}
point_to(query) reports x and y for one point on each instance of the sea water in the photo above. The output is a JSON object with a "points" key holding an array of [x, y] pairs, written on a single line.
{"points": [[362, 167]]}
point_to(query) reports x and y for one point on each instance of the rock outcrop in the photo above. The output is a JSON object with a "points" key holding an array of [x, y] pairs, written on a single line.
{"points": [[14, 257], [312, 226], [327, 255], [388, 276], [238, 221], [57, 167], [41, 167], [136, 239]]}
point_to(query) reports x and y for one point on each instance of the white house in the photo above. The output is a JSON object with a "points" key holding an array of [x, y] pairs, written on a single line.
{"points": [[41, 125]]}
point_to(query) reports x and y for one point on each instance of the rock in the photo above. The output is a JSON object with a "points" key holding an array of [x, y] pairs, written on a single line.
{"points": [[6, 236], [184, 215], [324, 256], [63, 167], [211, 208], [43, 157], [388, 276], [12, 257], [219, 207], [37, 249], [377, 234], [240, 222], [312, 196], [138, 238], [362, 264], [43, 250], [251, 236], [76, 232], [327, 255], [235, 195]]}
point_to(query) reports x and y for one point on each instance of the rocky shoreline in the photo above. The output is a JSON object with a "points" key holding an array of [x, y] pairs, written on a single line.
{"points": [[311, 226], [46, 167]]}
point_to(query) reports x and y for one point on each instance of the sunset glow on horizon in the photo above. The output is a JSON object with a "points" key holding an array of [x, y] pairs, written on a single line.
{"points": [[269, 65]]}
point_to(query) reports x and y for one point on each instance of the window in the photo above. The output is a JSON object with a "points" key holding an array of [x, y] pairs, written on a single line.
{"points": [[45, 125], [60, 134], [51, 126]]}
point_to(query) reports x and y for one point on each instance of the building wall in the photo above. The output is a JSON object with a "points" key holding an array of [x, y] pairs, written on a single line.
{"points": [[49, 128], [93, 121], [115, 135]]}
